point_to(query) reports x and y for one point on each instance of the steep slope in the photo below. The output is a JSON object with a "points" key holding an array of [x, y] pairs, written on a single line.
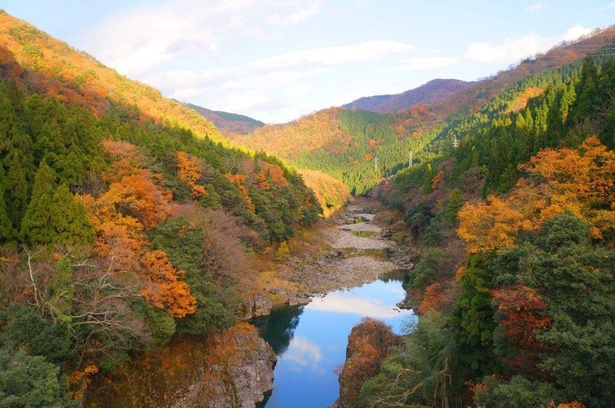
{"points": [[432, 91], [515, 231], [55, 68], [229, 123], [121, 226]]}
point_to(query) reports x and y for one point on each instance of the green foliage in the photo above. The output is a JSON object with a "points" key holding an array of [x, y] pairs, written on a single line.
{"points": [[161, 326], [418, 373], [429, 269], [473, 319], [574, 278], [518, 392], [185, 248], [53, 215], [418, 218], [30, 381], [454, 203], [25, 329]]}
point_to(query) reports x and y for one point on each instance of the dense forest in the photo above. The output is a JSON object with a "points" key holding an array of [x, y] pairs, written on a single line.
{"points": [[117, 233], [515, 235]]}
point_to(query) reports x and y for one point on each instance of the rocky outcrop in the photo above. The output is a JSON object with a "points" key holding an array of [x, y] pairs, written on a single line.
{"points": [[368, 345], [230, 369], [257, 306]]}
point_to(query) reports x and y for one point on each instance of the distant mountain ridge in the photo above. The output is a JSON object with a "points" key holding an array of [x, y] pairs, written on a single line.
{"points": [[228, 123], [427, 93]]}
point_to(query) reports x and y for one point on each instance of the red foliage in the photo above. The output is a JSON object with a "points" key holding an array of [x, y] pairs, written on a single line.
{"points": [[434, 299], [522, 314]]}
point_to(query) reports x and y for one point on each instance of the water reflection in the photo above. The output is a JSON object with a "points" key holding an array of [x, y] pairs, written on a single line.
{"points": [[311, 342], [278, 327]]}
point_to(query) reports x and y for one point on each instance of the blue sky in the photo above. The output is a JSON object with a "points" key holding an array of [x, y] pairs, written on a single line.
{"points": [[279, 60]]}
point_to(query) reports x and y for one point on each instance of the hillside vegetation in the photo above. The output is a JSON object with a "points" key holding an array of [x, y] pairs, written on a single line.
{"points": [[119, 226], [432, 91], [515, 238], [54, 68], [228, 123]]}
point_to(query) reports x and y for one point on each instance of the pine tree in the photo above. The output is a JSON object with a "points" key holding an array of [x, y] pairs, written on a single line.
{"points": [[37, 226], [53, 215]]}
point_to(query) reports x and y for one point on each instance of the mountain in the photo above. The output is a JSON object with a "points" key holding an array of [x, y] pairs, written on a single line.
{"points": [[54, 68], [360, 147], [428, 93], [228, 123]]}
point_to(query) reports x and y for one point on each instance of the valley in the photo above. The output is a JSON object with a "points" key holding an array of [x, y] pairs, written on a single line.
{"points": [[156, 253]]}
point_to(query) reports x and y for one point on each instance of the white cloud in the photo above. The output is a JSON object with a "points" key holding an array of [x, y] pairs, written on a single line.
{"points": [[303, 352], [510, 51], [297, 16], [425, 63], [575, 32], [142, 39], [534, 7], [365, 51]]}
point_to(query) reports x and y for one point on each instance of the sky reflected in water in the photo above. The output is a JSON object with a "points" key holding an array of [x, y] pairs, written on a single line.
{"points": [[317, 336]]}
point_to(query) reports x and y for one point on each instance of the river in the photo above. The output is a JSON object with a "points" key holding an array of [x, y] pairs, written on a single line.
{"points": [[310, 341]]}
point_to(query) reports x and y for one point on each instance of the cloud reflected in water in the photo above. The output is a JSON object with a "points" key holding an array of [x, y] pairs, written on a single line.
{"points": [[351, 304], [304, 353]]}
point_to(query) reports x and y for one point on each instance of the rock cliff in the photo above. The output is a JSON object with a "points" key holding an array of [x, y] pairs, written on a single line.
{"points": [[230, 369]]}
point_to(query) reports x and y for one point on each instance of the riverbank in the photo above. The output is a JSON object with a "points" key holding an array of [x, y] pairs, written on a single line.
{"points": [[344, 251]]}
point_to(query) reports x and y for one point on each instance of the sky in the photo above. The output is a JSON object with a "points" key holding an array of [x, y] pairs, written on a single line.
{"points": [[279, 60]]}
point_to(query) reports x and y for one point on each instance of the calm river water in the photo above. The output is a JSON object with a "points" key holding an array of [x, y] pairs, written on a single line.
{"points": [[310, 341]]}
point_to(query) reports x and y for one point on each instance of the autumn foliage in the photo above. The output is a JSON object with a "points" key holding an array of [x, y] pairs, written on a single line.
{"points": [[190, 171], [579, 181], [368, 344], [133, 204]]}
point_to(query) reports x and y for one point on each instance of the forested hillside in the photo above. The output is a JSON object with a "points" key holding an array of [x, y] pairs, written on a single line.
{"points": [[360, 147], [515, 238], [119, 226]]}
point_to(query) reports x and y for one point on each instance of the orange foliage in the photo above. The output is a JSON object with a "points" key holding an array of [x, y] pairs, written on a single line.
{"points": [[190, 171], [523, 313], [270, 172], [239, 180], [368, 344], [320, 130], [436, 180], [120, 216], [164, 290], [573, 404], [434, 299], [490, 226], [521, 101], [581, 182], [79, 380]]}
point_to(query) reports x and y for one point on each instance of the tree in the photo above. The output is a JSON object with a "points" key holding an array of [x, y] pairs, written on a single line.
{"points": [[560, 267], [30, 381], [53, 215]]}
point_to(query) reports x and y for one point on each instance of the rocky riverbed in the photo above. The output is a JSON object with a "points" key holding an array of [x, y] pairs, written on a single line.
{"points": [[354, 251]]}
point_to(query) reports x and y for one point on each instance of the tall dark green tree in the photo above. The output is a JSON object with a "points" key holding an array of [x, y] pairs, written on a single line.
{"points": [[53, 215]]}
